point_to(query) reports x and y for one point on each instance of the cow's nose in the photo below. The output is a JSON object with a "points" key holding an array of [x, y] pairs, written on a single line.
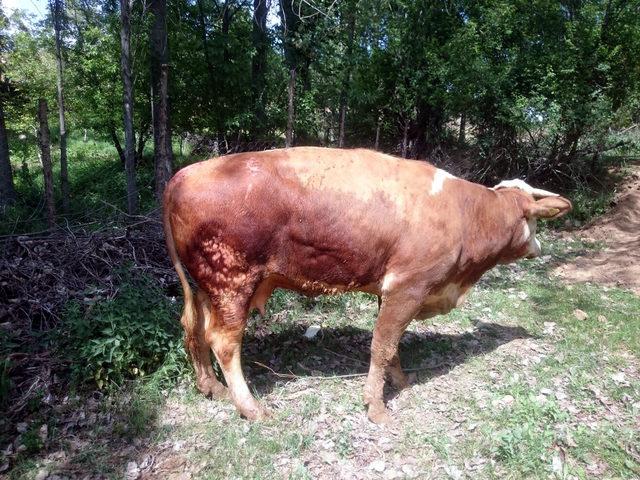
{"points": [[534, 249]]}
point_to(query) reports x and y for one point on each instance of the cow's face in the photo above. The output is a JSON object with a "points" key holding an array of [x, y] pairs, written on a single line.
{"points": [[535, 204]]}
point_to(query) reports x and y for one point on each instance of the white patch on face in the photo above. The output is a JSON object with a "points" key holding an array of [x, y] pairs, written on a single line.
{"points": [[526, 232], [387, 281], [529, 235], [438, 181]]}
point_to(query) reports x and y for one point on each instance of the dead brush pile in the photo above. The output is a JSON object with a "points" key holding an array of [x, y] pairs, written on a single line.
{"points": [[41, 273]]}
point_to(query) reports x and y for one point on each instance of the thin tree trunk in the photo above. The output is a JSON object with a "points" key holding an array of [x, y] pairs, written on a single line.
{"points": [[163, 154], [463, 128], [291, 108], [7, 191], [142, 141], [127, 104], [205, 49], [377, 143], [57, 11], [346, 81], [116, 143], [45, 156], [405, 137], [259, 66]]}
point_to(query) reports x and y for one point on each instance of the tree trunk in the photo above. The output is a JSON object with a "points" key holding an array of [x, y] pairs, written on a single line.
{"points": [[405, 137], [57, 12], [7, 191], [142, 141], [463, 128], [45, 156], [346, 81], [116, 143], [205, 49], [290, 22], [259, 66], [378, 125], [127, 106], [291, 109], [162, 151]]}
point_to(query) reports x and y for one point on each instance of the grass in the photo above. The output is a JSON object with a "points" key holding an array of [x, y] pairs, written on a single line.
{"points": [[96, 178], [511, 385]]}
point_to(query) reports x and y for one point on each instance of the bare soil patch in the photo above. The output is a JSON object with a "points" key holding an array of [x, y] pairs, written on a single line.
{"points": [[618, 264]]}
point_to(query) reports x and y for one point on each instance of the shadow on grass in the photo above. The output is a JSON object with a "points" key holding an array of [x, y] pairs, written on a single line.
{"points": [[346, 351], [92, 434]]}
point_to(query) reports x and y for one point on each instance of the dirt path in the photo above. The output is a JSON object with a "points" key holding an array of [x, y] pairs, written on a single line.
{"points": [[618, 264]]}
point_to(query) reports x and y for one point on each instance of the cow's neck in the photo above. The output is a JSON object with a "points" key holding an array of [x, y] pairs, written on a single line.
{"points": [[489, 229]]}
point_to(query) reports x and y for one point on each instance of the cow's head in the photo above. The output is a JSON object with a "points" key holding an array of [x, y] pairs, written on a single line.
{"points": [[535, 203]]}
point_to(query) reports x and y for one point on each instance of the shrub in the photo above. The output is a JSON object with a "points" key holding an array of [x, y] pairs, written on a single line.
{"points": [[130, 335]]}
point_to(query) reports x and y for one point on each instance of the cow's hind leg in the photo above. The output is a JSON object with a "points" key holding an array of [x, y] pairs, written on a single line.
{"points": [[224, 335], [198, 349], [395, 314], [398, 378]]}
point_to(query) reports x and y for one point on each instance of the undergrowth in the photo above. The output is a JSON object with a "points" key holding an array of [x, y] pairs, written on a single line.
{"points": [[131, 335]]}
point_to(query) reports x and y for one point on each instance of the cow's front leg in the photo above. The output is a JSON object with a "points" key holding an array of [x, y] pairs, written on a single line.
{"points": [[395, 314], [225, 337]]}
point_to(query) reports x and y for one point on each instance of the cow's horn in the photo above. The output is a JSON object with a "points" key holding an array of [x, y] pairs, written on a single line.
{"points": [[525, 187]]}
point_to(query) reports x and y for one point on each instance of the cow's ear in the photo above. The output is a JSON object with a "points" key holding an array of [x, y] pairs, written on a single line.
{"points": [[548, 208]]}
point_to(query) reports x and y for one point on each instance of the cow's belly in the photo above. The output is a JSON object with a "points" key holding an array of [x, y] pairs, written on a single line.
{"points": [[443, 301]]}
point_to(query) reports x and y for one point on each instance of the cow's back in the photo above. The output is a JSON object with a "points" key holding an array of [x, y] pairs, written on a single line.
{"points": [[319, 218]]}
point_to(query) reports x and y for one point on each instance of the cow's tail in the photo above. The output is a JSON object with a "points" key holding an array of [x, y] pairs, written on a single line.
{"points": [[189, 314]]}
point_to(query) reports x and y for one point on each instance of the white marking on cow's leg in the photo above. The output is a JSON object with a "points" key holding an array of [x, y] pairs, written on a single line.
{"points": [[226, 343], [438, 181], [206, 380]]}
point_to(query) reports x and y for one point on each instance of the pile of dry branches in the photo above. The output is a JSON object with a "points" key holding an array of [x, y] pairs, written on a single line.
{"points": [[40, 273]]}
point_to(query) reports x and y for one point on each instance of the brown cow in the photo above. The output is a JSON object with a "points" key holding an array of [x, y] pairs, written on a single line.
{"points": [[319, 221]]}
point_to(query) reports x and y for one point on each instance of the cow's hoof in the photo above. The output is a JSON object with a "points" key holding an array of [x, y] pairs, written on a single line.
{"points": [[379, 414], [211, 387], [255, 413]]}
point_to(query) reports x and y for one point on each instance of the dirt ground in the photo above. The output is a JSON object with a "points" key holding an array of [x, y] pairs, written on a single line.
{"points": [[618, 264]]}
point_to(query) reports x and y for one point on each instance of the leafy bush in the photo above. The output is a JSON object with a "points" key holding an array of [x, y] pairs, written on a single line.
{"points": [[131, 335]]}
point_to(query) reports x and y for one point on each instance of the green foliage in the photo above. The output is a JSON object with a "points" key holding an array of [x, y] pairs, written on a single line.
{"points": [[128, 336]]}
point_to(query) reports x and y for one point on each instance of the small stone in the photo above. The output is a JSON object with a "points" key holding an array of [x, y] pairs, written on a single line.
{"points": [[378, 466], [522, 296], [546, 391], [453, 472], [580, 314], [42, 474], [21, 427], [132, 472], [391, 474], [503, 402], [409, 471], [328, 456], [178, 446], [620, 379], [312, 331]]}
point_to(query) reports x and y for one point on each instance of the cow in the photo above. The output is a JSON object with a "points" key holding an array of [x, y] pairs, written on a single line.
{"points": [[325, 221]]}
